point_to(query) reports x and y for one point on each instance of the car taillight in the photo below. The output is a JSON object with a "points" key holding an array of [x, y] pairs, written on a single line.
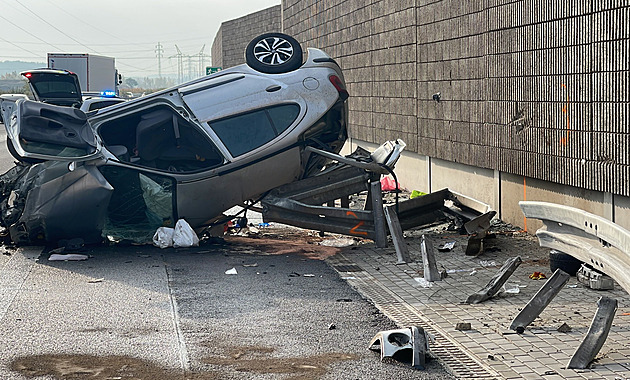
{"points": [[341, 88], [28, 75]]}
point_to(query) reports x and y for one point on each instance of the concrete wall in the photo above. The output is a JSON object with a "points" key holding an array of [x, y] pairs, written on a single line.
{"points": [[228, 47]]}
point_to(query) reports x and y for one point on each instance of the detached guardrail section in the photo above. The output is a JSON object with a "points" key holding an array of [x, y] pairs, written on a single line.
{"points": [[596, 241]]}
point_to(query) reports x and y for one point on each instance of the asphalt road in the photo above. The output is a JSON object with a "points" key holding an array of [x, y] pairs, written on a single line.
{"points": [[138, 312]]}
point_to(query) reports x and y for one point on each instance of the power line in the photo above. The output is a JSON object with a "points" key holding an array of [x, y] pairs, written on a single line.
{"points": [[27, 32], [54, 27]]}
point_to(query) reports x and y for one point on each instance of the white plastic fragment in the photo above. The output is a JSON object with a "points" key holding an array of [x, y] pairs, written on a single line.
{"points": [[184, 235], [231, 271], [67, 257], [424, 283], [338, 242], [163, 237]]}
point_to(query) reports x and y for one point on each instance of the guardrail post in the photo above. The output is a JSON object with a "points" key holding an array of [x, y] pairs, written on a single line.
{"points": [[541, 299], [596, 335], [402, 253], [379, 214], [496, 282], [431, 273]]}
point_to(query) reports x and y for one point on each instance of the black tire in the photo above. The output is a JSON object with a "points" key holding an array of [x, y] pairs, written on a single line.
{"points": [[274, 53], [561, 260]]}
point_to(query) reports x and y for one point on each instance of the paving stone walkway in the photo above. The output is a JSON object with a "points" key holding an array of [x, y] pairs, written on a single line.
{"points": [[490, 349]]}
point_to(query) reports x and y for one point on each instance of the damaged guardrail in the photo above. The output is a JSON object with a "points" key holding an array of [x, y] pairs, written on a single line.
{"points": [[596, 241]]}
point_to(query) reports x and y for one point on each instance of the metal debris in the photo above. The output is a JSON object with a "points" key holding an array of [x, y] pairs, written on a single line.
{"points": [[397, 344]]}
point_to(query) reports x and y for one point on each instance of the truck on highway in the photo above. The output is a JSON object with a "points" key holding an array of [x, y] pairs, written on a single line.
{"points": [[97, 74]]}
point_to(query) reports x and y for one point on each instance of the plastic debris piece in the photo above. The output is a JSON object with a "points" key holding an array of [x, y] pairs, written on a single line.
{"points": [[486, 263], [67, 257], [537, 276], [424, 283], [511, 289], [250, 265], [163, 237], [184, 235], [388, 184], [416, 194], [472, 273], [231, 271], [446, 247], [309, 275], [332, 326], [96, 280], [338, 242], [263, 225]]}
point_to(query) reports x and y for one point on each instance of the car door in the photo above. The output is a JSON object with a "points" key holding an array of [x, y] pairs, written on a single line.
{"points": [[43, 131]]}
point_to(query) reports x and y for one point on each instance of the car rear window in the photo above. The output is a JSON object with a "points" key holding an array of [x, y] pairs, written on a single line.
{"points": [[54, 86], [243, 133]]}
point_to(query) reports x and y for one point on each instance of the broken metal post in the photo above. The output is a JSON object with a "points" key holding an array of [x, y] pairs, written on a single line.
{"points": [[596, 335], [379, 215], [541, 299], [402, 253], [420, 347], [431, 273], [496, 282]]}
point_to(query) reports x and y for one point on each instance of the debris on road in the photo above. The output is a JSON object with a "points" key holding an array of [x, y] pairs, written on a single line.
{"points": [[537, 276], [463, 326], [395, 344], [182, 236], [67, 257], [96, 280], [594, 279], [564, 328], [231, 271], [340, 242], [446, 247]]}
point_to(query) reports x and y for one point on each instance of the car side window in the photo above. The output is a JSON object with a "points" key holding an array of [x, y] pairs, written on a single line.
{"points": [[160, 138], [243, 133]]}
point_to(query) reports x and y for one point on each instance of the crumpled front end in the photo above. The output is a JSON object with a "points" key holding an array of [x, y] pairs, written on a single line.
{"points": [[48, 202]]}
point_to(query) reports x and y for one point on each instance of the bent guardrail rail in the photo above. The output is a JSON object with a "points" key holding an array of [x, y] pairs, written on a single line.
{"points": [[588, 237]]}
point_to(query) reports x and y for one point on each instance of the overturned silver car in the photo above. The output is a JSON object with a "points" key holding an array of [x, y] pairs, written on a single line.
{"points": [[188, 152]]}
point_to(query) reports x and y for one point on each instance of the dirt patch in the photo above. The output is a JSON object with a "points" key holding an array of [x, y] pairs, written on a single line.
{"points": [[80, 367], [300, 244], [259, 360]]}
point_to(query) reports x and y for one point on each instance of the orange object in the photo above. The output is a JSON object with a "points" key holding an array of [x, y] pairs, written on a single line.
{"points": [[537, 276]]}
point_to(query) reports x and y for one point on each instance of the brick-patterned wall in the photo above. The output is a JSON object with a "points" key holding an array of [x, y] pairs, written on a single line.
{"points": [[537, 88], [228, 47], [375, 44]]}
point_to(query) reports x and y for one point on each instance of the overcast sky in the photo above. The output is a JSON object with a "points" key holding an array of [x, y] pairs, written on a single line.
{"points": [[128, 30]]}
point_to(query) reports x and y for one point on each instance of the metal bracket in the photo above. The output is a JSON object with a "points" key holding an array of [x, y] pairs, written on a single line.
{"points": [[596, 335], [496, 282], [396, 344], [541, 299]]}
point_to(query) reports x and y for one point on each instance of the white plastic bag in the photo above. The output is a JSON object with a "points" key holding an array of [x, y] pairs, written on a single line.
{"points": [[163, 237], [184, 235]]}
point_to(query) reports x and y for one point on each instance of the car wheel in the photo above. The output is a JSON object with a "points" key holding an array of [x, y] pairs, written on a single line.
{"points": [[566, 262], [274, 53]]}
